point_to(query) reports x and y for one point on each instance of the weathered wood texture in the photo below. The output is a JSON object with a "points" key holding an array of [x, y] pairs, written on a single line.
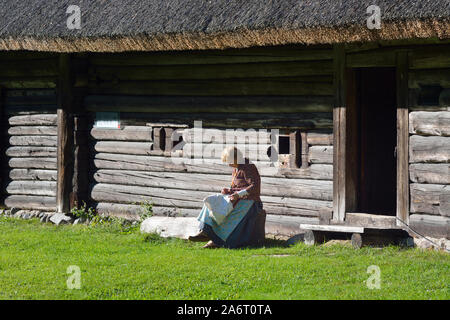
{"points": [[431, 225], [31, 202], [429, 149], [219, 104], [430, 199], [438, 173], [130, 133], [430, 123]]}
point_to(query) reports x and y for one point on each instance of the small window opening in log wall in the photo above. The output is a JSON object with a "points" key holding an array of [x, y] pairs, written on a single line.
{"points": [[289, 145], [429, 95], [283, 145]]}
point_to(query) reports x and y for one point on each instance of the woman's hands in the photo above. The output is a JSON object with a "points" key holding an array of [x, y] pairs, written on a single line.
{"points": [[234, 197], [226, 191]]}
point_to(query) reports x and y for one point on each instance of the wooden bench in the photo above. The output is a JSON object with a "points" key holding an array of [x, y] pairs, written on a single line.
{"points": [[359, 236]]}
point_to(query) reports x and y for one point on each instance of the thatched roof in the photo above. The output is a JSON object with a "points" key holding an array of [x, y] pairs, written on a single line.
{"points": [[122, 25]]}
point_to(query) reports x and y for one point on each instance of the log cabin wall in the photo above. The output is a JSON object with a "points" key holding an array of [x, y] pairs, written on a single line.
{"points": [[28, 150], [286, 88], [429, 143]]}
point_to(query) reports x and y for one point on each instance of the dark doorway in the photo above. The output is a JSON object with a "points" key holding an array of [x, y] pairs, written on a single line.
{"points": [[371, 141]]}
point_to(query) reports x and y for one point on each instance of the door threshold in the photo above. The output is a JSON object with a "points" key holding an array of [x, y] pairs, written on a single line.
{"points": [[372, 221]]}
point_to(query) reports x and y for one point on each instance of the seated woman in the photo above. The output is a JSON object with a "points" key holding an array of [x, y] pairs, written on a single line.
{"points": [[241, 227]]}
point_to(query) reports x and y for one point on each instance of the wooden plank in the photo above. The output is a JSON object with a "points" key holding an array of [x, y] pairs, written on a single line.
{"points": [[339, 129], [321, 154], [35, 188], [31, 202], [402, 210], [431, 226], [124, 147], [371, 59], [430, 123], [134, 210], [34, 120], [250, 87], [335, 228], [33, 163], [65, 159], [429, 149], [44, 141], [31, 152], [373, 221], [228, 56], [33, 174], [437, 173], [425, 198], [128, 133], [220, 104]]}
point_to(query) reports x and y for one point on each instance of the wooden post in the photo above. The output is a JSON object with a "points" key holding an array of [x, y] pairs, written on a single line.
{"points": [[65, 161], [402, 138], [339, 134]]}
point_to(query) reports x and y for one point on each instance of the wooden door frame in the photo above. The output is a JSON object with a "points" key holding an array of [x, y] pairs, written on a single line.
{"points": [[340, 184]]}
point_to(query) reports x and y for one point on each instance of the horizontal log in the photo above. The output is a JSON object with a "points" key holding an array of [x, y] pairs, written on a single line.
{"points": [[28, 82], [194, 199], [436, 173], [430, 123], [250, 87], [285, 53], [192, 104], [32, 68], [211, 166], [26, 55], [35, 188], [33, 163], [33, 131], [31, 152], [321, 154], [431, 57], [212, 72], [299, 120], [214, 151], [34, 120], [31, 202], [319, 138], [426, 198], [125, 147], [431, 226], [33, 174], [133, 211], [287, 225], [296, 188], [418, 78], [129, 133], [22, 100], [429, 149], [45, 141], [229, 136]]}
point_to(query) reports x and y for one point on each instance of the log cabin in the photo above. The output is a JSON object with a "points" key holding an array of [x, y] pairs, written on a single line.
{"points": [[359, 117]]}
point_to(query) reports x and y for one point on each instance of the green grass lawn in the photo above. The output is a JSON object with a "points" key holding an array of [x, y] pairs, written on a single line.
{"points": [[34, 258]]}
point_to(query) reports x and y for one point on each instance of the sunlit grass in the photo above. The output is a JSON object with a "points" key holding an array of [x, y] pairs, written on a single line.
{"points": [[34, 258]]}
